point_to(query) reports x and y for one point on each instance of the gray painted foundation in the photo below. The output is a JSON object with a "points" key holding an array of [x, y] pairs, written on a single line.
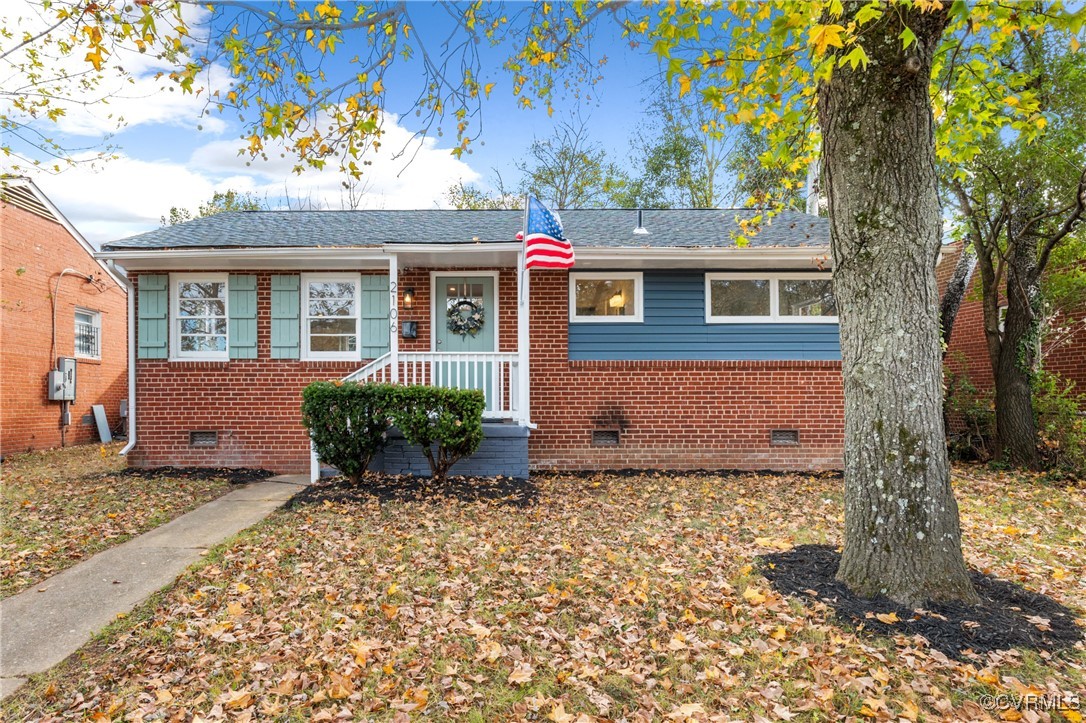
{"points": [[503, 452]]}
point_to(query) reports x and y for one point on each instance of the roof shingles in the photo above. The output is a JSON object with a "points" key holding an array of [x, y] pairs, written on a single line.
{"points": [[586, 228]]}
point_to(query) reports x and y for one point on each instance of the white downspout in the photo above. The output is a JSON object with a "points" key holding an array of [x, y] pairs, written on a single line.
{"points": [[123, 276]]}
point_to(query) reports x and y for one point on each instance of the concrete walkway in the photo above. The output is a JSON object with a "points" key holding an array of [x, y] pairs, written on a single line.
{"points": [[40, 629]]}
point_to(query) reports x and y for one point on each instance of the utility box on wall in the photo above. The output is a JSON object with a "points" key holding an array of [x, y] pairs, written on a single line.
{"points": [[62, 381]]}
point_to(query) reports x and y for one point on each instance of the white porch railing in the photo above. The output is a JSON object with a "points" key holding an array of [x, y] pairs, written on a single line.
{"points": [[495, 373]]}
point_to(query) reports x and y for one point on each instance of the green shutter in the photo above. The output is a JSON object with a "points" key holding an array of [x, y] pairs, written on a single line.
{"points": [[242, 323], [153, 299], [286, 307], [375, 321]]}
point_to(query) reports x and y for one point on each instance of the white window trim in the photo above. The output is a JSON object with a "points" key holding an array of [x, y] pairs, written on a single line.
{"points": [[775, 316], [97, 316], [639, 296], [175, 328], [307, 353]]}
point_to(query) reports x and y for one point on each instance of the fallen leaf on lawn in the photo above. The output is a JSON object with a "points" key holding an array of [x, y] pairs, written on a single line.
{"points": [[558, 714], [889, 618], [685, 711], [522, 673], [754, 596], [238, 699]]}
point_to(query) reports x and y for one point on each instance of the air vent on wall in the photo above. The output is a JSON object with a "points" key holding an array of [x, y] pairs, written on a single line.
{"points": [[203, 439], [604, 437], [784, 437]]}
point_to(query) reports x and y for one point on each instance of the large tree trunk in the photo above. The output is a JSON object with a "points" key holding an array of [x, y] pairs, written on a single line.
{"points": [[1016, 431], [902, 534]]}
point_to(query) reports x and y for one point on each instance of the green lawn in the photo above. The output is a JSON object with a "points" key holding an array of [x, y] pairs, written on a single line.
{"points": [[603, 598]]}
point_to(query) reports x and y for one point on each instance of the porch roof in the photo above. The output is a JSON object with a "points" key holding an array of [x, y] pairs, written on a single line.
{"points": [[586, 228]]}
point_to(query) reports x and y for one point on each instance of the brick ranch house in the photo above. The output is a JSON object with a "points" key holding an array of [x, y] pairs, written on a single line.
{"points": [[46, 260], [666, 347]]}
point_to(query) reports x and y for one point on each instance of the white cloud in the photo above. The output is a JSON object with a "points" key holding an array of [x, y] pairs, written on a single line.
{"points": [[129, 195], [406, 172], [120, 100]]}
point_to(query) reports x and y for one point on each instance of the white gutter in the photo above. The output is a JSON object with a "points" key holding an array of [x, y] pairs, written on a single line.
{"points": [[123, 276], [676, 253]]}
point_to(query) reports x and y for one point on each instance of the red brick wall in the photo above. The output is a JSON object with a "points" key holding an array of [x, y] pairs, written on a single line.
{"points": [[675, 414], [254, 403], [681, 414], [969, 350], [34, 252]]}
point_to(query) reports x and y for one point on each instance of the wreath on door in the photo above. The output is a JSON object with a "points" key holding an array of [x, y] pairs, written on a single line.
{"points": [[465, 317]]}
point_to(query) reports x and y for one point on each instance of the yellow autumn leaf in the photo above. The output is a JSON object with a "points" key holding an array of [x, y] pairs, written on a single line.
{"points": [[243, 588], [487, 88], [888, 618], [378, 87], [825, 36], [754, 596], [684, 85], [392, 589]]}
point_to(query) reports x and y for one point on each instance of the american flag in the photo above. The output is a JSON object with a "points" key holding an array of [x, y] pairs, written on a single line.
{"points": [[544, 245]]}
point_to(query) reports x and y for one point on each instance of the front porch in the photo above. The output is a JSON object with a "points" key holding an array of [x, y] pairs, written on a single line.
{"points": [[496, 374]]}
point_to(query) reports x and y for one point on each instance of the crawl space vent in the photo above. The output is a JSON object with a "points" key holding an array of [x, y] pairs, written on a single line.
{"points": [[604, 437], [203, 439], [784, 437]]}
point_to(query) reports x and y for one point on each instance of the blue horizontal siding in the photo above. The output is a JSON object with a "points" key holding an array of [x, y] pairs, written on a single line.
{"points": [[674, 329]]}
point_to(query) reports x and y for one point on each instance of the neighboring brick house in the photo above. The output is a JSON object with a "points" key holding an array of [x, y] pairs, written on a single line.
{"points": [[44, 255], [968, 350], [666, 346]]}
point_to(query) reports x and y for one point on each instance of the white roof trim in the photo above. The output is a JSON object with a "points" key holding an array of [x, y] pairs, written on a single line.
{"points": [[63, 221]]}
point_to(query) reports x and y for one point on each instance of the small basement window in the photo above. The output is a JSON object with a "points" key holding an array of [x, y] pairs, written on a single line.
{"points": [[204, 439], [605, 437], [784, 437]]}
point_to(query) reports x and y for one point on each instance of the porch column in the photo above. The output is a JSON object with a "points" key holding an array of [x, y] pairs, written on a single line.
{"points": [[523, 341], [394, 316]]}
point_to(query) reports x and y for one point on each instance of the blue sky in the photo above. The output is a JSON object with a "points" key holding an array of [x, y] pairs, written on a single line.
{"points": [[165, 160]]}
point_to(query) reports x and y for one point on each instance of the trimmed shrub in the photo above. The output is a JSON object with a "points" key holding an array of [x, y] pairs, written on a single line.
{"points": [[447, 424], [348, 423]]}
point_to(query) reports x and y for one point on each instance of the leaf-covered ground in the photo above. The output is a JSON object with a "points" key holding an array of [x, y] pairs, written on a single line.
{"points": [[61, 506], [574, 599]]}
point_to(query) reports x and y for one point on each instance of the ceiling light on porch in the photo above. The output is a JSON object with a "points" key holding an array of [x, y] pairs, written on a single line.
{"points": [[408, 297]]}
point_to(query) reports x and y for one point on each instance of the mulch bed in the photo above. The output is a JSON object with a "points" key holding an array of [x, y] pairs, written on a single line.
{"points": [[1008, 616], [233, 475], [406, 488]]}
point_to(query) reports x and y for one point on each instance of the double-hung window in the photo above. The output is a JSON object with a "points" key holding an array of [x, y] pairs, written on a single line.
{"points": [[88, 334], [769, 298], [199, 316], [331, 323], [608, 296]]}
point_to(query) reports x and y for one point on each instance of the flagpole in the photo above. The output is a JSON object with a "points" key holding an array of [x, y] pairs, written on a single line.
{"points": [[523, 337]]}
